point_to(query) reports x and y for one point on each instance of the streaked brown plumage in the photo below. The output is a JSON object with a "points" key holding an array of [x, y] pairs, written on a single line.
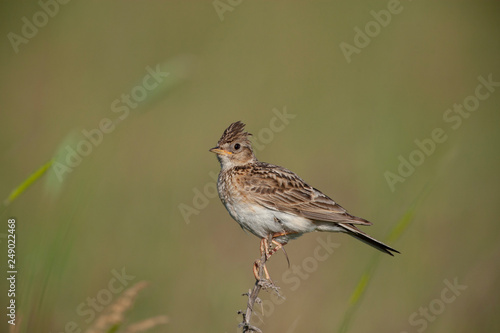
{"points": [[268, 199]]}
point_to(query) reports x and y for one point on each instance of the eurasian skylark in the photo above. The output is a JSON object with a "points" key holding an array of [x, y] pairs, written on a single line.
{"points": [[271, 201]]}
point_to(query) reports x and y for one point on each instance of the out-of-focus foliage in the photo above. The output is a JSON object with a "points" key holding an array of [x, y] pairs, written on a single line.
{"points": [[128, 96]]}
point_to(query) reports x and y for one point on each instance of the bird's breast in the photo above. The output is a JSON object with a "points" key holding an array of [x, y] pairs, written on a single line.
{"points": [[251, 216]]}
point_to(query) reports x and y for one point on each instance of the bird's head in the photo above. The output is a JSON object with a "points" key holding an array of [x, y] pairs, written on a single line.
{"points": [[234, 147]]}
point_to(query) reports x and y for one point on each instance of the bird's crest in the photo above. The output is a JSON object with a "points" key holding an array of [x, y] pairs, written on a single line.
{"points": [[234, 133]]}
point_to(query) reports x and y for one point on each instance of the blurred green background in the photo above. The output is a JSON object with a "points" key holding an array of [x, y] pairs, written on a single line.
{"points": [[120, 207]]}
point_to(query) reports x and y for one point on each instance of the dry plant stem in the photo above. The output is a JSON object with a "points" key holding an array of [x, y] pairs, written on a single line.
{"points": [[254, 293]]}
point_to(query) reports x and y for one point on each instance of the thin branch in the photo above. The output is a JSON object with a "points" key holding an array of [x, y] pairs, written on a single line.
{"points": [[253, 294]]}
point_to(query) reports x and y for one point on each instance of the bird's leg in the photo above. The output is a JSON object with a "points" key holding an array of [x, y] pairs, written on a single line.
{"points": [[264, 255], [280, 245], [268, 247], [257, 264], [277, 247], [264, 246]]}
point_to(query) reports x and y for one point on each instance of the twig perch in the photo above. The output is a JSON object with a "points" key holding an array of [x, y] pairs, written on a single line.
{"points": [[253, 294]]}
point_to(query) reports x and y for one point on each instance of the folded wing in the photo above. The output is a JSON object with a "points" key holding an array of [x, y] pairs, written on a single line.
{"points": [[279, 189]]}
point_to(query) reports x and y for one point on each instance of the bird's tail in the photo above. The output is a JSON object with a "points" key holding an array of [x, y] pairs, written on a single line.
{"points": [[356, 233]]}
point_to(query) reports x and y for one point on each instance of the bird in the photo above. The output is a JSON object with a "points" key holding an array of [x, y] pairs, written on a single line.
{"points": [[275, 204]]}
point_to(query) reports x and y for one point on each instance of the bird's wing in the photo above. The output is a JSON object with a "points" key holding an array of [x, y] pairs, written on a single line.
{"points": [[280, 189]]}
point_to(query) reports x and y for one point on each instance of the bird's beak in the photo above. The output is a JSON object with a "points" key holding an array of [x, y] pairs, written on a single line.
{"points": [[219, 151]]}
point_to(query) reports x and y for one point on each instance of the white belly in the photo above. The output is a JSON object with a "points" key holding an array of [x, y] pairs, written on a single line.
{"points": [[262, 221]]}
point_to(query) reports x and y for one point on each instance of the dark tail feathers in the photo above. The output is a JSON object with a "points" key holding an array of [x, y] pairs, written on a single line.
{"points": [[356, 233]]}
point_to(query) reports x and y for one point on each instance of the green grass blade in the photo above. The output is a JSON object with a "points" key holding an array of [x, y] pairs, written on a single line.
{"points": [[358, 293], [360, 288], [27, 183], [395, 234]]}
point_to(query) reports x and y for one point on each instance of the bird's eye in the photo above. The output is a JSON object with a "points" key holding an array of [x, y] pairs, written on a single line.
{"points": [[237, 146]]}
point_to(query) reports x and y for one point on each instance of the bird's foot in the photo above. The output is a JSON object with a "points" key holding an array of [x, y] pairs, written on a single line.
{"points": [[257, 266]]}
